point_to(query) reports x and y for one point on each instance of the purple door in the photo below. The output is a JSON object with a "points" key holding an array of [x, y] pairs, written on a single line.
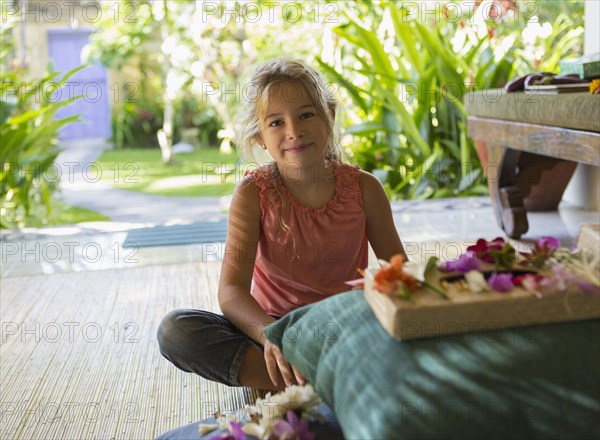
{"points": [[64, 50]]}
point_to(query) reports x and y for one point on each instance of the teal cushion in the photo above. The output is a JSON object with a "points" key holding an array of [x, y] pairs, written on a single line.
{"points": [[533, 382]]}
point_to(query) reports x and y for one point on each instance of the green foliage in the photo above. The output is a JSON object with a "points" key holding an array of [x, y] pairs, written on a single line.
{"points": [[29, 133], [408, 81], [135, 125], [407, 77], [404, 75]]}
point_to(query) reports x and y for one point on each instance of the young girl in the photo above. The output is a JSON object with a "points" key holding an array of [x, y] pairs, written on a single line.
{"points": [[298, 229]]}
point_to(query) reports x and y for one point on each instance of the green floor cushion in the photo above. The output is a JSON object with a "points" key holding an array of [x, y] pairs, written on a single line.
{"points": [[579, 111], [529, 382]]}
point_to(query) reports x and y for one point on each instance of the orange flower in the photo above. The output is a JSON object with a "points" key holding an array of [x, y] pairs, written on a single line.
{"points": [[392, 279], [595, 86]]}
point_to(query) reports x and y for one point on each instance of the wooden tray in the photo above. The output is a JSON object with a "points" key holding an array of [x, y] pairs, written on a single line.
{"points": [[427, 315]]}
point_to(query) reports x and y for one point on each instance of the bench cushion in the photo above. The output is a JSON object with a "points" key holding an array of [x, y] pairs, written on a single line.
{"points": [[578, 111]]}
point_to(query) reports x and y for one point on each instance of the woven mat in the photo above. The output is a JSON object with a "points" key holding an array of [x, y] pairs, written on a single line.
{"points": [[201, 232], [79, 357]]}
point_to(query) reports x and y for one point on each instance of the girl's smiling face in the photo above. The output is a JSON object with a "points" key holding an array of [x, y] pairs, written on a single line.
{"points": [[292, 130]]}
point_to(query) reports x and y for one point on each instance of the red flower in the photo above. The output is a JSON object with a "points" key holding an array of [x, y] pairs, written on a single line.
{"points": [[483, 249]]}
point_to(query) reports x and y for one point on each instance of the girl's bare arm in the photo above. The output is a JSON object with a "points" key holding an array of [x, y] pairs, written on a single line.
{"points": [[236, 279], [238, 263], [381, 230]]}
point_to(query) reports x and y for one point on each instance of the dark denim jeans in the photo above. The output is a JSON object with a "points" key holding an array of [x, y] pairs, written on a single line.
{"points": [[201, 342]]}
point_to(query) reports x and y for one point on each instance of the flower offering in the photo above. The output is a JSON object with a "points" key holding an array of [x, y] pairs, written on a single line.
{"points": [[491, 285]]}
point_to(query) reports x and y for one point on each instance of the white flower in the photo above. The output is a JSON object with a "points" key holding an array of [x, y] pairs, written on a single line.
{"points": [[205, 428], [254, 430], [301, 399], [476, 281]]}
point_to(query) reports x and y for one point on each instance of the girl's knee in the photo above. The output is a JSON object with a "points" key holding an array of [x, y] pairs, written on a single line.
{"points": [[170, 329], [182, 328]]}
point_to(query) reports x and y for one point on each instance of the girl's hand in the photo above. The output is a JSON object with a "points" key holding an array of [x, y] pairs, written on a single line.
{"points": [[278, 367]]}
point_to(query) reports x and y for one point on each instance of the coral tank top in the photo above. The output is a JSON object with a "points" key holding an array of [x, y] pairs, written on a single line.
{"points": [[318, 251]]}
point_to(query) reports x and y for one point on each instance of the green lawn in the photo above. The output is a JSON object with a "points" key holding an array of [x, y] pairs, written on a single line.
{"points": [[63, 213], [66, 214], [205, 172]]}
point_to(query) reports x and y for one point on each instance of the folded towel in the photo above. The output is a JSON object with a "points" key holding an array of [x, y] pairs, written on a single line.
{"points": [[542, 78]]}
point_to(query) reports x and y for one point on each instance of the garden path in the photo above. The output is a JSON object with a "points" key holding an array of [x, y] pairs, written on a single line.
{"points": [[81, 186]]}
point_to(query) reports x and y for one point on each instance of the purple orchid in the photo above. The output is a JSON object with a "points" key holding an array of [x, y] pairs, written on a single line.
{"points": [[501, 282], [465, 263], [588, 287], [293, 428]]}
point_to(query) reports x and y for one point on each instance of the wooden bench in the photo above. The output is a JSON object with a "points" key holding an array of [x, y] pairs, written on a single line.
{"points": [[529, 146]]}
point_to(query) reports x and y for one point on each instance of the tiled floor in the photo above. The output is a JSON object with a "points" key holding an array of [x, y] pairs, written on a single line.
{"points": [[437, 227]]}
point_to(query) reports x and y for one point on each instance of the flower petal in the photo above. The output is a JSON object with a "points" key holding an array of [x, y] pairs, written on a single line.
{"points": [[501, 282], [236, 431], [205, 428], [548, 242], [280, 428], [356, 283], [253, 429], [476, 281], [466, 262], [589, 288]]}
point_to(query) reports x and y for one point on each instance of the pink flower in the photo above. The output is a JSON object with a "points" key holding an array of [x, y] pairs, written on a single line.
{"points": [[543, 249], [501, 282], [548, 242], [530, 282], [559, 280]]}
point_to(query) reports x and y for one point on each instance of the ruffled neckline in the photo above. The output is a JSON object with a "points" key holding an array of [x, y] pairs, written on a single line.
{"points": [[298, 204]]}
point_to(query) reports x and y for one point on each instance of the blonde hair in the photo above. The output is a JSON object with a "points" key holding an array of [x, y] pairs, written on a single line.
{"points": [[275, 72]]}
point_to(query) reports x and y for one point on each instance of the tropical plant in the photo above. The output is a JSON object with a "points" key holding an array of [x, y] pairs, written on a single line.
{"points": [[134, 125], [407, 80], [407, 74], [29, 132]]}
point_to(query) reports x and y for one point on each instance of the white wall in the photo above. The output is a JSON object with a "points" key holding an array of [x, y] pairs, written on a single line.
{"points": [[584, 188], [592, 30]]}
